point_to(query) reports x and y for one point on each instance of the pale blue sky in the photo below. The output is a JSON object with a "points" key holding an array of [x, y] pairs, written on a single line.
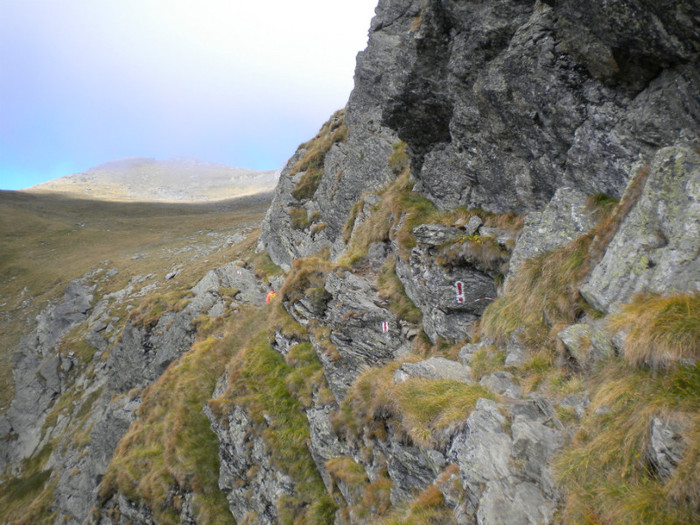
{"points": [[83, 82]]}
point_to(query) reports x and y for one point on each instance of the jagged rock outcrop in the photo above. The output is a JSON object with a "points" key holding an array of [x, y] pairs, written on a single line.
{"points": [[501, 103], [353, 313], [451, 298], [40, 373], [541, 108], [81, 439], [505, 473], [244, 456]]}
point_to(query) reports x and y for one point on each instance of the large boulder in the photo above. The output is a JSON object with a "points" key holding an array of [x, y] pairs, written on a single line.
{"points": [[657, 245]]}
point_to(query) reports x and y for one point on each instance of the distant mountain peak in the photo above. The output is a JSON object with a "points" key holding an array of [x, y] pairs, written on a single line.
{"points": [[170, 180]]}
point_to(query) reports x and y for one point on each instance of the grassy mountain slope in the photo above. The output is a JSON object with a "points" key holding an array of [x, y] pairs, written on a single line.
{"points": [[48, 240]]}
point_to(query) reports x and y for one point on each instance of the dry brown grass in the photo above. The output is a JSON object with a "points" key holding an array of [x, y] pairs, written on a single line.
{"points": [[660, 330], [544, 291], [605, 470], [428, 508]]}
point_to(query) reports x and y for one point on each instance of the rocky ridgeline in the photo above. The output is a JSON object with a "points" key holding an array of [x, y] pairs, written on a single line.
{"points": [[480, 139]]}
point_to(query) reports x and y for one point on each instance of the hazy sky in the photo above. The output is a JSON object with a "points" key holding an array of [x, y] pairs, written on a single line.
{"points": [[242, 82]]}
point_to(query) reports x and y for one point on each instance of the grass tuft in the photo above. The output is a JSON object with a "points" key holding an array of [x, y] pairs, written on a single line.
{"points": [[421, 409], [660, 330], [543, 292]]}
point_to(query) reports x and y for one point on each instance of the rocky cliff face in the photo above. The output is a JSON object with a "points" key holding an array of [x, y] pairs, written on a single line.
{"points": [[532, 108], [473, 251]]}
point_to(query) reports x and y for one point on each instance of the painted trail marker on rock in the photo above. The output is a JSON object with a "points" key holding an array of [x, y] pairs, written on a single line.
{"points": [[459, 292], [385, 326]]}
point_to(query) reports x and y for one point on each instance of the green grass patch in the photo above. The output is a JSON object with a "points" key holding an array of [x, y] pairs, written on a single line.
{"points": [[398, 160], [485, 361], [306, 279], [429, 406], [264, 266], [27, 499], [544, 291], [171, 443], [259, 382]]}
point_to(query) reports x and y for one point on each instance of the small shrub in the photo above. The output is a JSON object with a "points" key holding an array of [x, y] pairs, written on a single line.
{"points": [[317, 228], [305, 274], [299, 218]]}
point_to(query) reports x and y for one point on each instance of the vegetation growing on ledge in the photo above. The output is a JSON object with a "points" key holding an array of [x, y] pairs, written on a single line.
{"points": [[171, 443], [311, 163], [420, 409], [428, 508], [152, 308], [27, 499], [306, 279], [391, 288], [543, 292], [398, 204]]}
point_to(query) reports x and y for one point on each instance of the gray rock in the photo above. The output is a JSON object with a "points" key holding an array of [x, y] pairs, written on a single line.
{"points": [[468, 350], [434, 368], [516, 350], [324, 444], [501, 383], [244, 456], [432, 288], [520, 504], [83, 467], [412, 469], [665, 446], [37, 373], [587, 343], [473, 225], [436, 234], [507, 478], [657, 245], [354, 313], [504, 238]]}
